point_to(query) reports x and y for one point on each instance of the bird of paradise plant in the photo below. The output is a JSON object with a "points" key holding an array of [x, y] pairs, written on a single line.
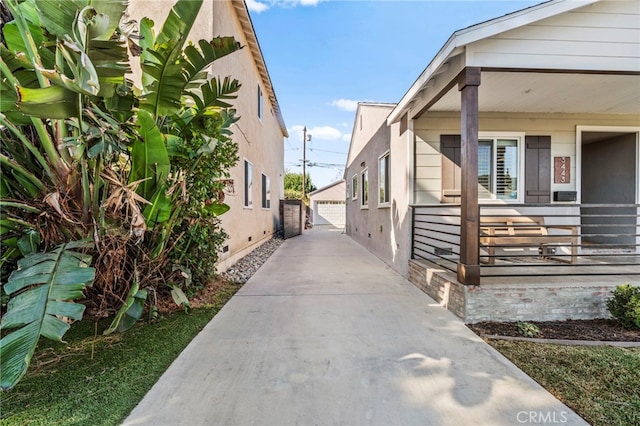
{"points": [[86, 159]]}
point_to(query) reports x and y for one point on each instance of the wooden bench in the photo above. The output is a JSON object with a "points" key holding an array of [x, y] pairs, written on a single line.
{"points": [[524, 231]]}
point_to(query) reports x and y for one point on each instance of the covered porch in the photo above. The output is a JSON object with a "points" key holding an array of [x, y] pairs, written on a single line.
{"points": [[552, 271], [524, 137]]}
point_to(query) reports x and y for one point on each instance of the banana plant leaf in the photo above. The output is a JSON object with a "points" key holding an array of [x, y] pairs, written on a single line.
{"points": [[178, 24], [53, 102], [111, 61], [130, 312], [13, 38], [160, 208], [210, 51], [41, 291], [163, 96], [58, 16], [162, 66], [217, 209], [29, 242], [214, 94], [149, 157], [69, 55], [179, 298]]}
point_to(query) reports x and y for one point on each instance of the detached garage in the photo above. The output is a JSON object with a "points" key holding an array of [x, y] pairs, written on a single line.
{"points": [[328, 205]]}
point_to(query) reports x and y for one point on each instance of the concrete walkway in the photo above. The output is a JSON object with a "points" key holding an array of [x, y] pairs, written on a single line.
{"points": [[326, 334]]}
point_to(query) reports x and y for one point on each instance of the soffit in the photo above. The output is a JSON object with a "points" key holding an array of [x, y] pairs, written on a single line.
{"points": [[254, 46], [551, 93]]}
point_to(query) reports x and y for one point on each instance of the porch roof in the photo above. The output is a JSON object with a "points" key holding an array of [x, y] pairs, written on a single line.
{"points": [[520, 74], [540, 92]]}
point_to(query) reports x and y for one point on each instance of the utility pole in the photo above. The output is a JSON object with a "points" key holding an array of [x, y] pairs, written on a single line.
{"points": [[304, 163], [303, 214]]}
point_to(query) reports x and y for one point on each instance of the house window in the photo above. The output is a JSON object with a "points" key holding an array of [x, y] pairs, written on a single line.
{"points": [[260, 103], [354, 187], [383, 180], [365, 189], [248, 184], [499, 168], [266, 192]]}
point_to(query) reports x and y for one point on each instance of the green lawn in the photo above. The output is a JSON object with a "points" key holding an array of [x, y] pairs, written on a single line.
{"points": [[601, 384], [99, 380]]}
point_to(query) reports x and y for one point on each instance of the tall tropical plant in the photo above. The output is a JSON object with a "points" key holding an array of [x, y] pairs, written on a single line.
{"points": [[85, 154], [178, 95]]}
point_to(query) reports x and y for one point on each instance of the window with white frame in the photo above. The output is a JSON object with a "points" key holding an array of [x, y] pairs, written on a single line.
{"points": [[354, 187], [260, 103], [266, 192], [383, 180], [499, 167], [365, 188], [248, 184]]}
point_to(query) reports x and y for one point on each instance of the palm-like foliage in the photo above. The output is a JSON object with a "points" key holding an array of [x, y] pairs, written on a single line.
{"points": [[41, 290], [82, 155], [169, 72]]}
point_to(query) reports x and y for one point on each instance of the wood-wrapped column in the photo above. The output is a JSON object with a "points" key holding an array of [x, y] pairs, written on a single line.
{"points": [[469, 267]]}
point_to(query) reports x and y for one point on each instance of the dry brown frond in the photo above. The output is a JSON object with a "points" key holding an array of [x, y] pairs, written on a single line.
{"points": [[124, 196]]}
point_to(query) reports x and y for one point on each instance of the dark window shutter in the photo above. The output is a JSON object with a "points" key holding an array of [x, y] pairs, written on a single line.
{"points": [[537, 159], [451, 175]]}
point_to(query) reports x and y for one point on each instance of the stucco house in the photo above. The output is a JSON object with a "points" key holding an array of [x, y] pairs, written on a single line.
{"points": [[511, 167], [257, 181], [328, 205], [376, 184]]}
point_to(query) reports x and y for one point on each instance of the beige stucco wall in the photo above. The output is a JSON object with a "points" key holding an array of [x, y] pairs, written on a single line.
{"points": [[261, 142], [332, 192], [561, 127], [383, 229]]}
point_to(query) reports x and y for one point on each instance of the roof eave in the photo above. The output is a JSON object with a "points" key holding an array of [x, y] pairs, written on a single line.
{"points": [[247, 27], [324, 188]]}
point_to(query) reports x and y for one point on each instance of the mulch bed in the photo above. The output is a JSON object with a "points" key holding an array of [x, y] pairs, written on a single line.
{"points": [[599, 329]]}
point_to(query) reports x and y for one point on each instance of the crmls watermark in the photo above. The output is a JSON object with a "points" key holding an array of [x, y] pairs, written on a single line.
{"points": [[542, 417]]}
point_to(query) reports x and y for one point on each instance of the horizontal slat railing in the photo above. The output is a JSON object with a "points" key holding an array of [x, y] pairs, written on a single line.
{"points": [[541, 240], [436, 235]]}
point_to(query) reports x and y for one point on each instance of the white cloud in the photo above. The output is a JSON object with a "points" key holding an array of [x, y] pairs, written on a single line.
{"points": [[346, 137], [325, 133], [259, 6], [256, 6], [345, 104]]}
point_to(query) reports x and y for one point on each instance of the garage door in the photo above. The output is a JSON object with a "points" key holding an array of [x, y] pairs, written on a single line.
{"points": [[329, 213]]}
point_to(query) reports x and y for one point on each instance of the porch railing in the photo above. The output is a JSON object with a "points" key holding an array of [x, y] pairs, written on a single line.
{"points": [[540, 240]]}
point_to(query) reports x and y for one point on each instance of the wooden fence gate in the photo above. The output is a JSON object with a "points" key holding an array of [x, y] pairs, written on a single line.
{"points": [[290, 217]]}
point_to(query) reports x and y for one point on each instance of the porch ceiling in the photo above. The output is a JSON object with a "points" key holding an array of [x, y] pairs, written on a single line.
{"points": [[501, 91]]}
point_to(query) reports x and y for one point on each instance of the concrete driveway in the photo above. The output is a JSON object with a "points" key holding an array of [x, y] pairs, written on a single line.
{"points": [[326, 334]]}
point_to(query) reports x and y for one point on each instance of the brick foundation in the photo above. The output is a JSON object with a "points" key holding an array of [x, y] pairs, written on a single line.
{"points": [[512, 302]]}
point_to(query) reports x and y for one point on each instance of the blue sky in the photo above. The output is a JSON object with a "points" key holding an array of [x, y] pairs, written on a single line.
{"points": [[325, 56]]}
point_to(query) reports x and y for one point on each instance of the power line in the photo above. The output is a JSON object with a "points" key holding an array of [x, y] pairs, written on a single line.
{"points": [[327, 165], [291, 146], [324, 150]]}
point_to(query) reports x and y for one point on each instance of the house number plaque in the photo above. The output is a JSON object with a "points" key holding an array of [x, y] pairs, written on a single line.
{"points": [[562, 170]]}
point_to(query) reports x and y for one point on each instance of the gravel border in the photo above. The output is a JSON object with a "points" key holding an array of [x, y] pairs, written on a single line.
{"points": [[244, 268]]}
